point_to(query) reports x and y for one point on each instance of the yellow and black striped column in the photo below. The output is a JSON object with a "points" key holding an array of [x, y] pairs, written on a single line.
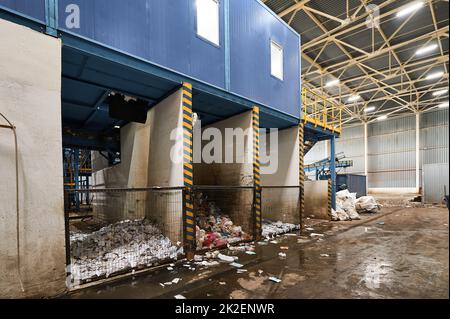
{"points": [[301, 182], [189, 222], [330, 196], [257, 173]]}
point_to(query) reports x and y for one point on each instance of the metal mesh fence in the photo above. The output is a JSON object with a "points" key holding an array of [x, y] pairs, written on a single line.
{"points": [[128, 229], [224, 215], [280, 210]]}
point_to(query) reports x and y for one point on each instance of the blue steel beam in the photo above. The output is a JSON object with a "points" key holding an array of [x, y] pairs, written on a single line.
{"points": [[333, 171]]}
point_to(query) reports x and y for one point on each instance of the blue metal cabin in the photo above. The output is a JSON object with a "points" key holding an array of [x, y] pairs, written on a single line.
{"points": [[147, 48]]}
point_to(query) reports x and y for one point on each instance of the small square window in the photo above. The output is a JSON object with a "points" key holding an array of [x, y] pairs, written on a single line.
{"points": [[208, 20], [277, 64]]}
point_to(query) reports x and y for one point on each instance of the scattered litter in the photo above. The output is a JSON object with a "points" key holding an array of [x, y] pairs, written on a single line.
{"points": [[290, 235], [316, 235], [284, 248], [198, 258], [271, 228], [282, 255], [274, 279], [260, 272], [324, 255], [176, 280], [180, 297], [250, 253], [228, 259], [309, 229], [162, 285], [222, 283], [262, 243], [274, 242], [172, 265], [168, 283], [241, 271], [236, 265], [187, 265], [381, 223], [169, 268], [303, 241]]}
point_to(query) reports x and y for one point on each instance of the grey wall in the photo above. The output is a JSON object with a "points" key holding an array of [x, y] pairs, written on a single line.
{"points": [[391, 148], [30, 96]]}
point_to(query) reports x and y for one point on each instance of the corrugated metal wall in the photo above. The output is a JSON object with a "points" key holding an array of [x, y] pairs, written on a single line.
{"points": [[32, 8], [391, 148], [392, 157], [435, 177]]}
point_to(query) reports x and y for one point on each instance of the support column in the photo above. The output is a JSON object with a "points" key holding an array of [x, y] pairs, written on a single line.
{"points": [[417, 152], [333, 171], [301, 182], [366, 154], [257, 172], [189, 217]]}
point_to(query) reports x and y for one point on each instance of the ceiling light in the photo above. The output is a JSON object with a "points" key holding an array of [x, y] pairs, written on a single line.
{"points": [[370, 109], [354, 98], [435, 75], [443, 105], [410, 8], [117, 127], [332, 83], [382, 118], [440, 92], [426, 49]]}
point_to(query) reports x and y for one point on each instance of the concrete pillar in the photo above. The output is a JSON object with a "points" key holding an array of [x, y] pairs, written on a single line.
{"points": [[282, 204], [30, 97]]}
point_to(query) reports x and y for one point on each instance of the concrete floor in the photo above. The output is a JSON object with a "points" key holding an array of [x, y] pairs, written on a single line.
{"points": [[401, 253]]}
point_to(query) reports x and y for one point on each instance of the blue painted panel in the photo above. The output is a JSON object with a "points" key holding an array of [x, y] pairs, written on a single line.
{"points": [[252, 27], [31, 8], [160, 31]]}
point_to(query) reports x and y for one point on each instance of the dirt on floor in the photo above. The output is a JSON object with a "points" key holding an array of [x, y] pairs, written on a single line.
{"points": [[398, 253]]}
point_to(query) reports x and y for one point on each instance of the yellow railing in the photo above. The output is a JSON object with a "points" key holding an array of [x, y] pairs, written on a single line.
{"points": [[320, 111]]}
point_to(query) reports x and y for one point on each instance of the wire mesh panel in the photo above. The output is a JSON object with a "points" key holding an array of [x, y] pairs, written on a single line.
{"points": [[224, 215], [280, 210], [128, 229]]}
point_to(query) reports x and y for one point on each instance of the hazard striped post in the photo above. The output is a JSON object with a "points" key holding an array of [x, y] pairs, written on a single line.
{"points": [[301, 182], [330, 198], [257, 173], [189, 217]]}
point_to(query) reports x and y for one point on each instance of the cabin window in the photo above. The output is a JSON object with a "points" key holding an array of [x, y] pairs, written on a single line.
{"points": [[208, 20], [277, 63]]}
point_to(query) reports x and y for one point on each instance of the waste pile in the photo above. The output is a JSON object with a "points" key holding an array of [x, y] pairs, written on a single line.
{"points": [[117, 247], [271, 229], [349, 208], [215, 229]]}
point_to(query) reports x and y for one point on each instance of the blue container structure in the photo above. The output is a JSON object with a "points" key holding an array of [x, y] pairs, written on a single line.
{"points": [[147, 48]]}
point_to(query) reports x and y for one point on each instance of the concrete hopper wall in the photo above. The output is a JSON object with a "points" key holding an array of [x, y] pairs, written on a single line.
{"points": [[30, 96]]}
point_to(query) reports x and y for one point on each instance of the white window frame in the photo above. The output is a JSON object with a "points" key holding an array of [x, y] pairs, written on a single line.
{"points": [[275, 70], [204, 29]]}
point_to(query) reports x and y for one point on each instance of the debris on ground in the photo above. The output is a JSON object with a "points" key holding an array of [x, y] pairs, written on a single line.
{"points": [[215, 229], [241, 271], [345, 207], [228, 259], [180, 297], [381, 223], [271, 229], [275, 279], [316, 235], [250, 253], [222, 283], [367, 204], [236, 265], [117, 247], [324, 255], [282, 255], [284, 248]]}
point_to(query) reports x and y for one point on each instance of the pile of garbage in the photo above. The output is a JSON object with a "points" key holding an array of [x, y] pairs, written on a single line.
{"points": [[349, 208], [117, 247], [215, 229], [271, 229]]}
